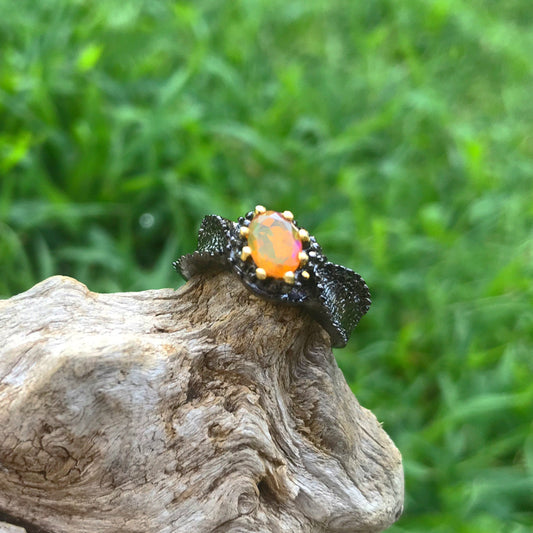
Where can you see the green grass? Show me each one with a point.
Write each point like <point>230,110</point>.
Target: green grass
<point>399,133</point>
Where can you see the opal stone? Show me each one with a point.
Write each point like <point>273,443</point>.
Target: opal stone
<point>275,244</point>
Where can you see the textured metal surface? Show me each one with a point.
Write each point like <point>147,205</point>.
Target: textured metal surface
<point>335,296</point>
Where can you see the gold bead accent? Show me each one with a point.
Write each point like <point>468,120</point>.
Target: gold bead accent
<point>288,277</point>
<point>260,273</point>
<point>246,253</point>
<point>244,231</point>
<point>259,209</point>
<point>306,274</point>
<point>287,215</point>
<point>303,257</point>
<point>304,236</point>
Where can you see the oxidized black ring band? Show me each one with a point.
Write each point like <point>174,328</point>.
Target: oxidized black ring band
<point>279,261</point>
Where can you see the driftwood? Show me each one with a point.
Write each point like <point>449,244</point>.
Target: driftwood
<point>200,410</point>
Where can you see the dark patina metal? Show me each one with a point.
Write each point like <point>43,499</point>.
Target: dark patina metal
<point>335,296</point>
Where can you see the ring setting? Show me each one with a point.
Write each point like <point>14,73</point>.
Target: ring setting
<point>275,245</point>
<point>280,261</point>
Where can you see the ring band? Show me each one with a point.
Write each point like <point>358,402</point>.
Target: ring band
<point>279,261</point>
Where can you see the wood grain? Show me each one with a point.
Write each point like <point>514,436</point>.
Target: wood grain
<point>200,410</point>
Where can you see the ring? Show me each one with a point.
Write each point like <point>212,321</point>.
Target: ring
<point>279,261</point>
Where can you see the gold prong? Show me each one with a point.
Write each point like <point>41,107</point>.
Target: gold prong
<point>288,277</point>
<point>304,236</point>
<point>244,231</point>
<point>287,215</point>
<point>303,257</point>
<point>305,274</point>
<point>246,253</point>
<point>260,273</point>
<point>259,209</point>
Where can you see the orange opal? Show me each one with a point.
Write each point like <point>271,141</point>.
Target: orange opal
<point>275,244</point>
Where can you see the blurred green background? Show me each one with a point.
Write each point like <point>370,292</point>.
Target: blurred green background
<point>399,133</point>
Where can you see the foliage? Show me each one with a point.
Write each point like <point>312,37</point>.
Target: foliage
<point>398,132</point>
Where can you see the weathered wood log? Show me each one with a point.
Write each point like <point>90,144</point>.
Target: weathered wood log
<point>200,410</point>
